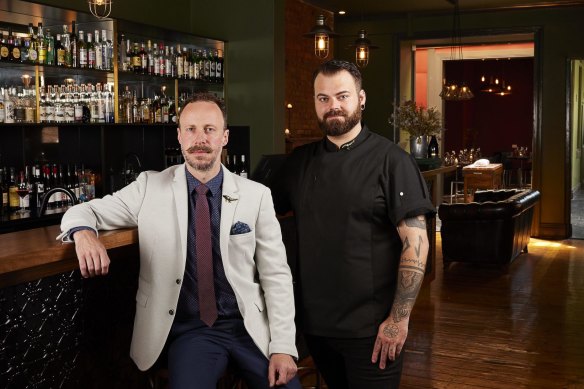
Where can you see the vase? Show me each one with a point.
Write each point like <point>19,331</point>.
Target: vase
<point>419,146</point>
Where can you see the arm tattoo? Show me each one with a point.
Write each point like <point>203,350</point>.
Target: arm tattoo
<point>406,244</point>
<point>419,246</point>
<point>409,284</point>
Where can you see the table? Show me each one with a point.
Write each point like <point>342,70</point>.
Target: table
<point>522,159</point>
<point>481,177</point>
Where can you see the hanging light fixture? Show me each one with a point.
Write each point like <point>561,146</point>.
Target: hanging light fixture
<point>321,33</point>
<point>362,48</point>
<point>101,9</point>
<point>452,90</point>
<point>496,85</point>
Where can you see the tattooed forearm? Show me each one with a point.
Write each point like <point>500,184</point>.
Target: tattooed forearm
<point>418,222</point>
<point>409,283</point>
<point>419,246</point>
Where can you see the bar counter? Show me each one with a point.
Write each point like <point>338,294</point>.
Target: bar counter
<point>33,254</point>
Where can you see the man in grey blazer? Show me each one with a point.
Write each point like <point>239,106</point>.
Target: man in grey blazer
<point>252,324</point>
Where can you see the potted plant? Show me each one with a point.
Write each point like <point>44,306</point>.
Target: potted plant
<point>421,123</point>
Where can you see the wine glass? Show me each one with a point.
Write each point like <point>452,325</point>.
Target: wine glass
<point>22,191</point>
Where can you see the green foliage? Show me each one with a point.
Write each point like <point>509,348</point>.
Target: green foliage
<point>416,120</point>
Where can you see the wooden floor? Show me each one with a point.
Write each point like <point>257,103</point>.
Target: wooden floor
<point>488,327</point>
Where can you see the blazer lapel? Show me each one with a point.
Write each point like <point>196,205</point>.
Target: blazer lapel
<point>228,207</point>
<point>179,188</point>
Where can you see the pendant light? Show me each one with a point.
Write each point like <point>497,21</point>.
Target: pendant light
<point>101,9</point>
<point>321,33</point>
<point>452,90</point>
<point>363,47</point>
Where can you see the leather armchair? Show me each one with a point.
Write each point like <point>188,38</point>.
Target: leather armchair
<point>495,228</point>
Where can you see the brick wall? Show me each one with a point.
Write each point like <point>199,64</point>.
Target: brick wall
<point>300,63</point>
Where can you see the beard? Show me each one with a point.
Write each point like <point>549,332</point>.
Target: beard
<point>339,126</point>
<point>200,162</point>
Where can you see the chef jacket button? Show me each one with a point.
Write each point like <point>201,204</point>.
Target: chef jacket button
<point>171,312</point>
<point>178,281</point>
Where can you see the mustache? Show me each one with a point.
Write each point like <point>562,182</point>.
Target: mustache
<point>194,149</point>
<point>335,112</point>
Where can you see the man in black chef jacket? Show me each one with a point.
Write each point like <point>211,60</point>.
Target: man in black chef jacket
<point>360,205</point>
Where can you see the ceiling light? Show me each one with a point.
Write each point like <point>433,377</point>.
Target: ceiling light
<point>321,33</point>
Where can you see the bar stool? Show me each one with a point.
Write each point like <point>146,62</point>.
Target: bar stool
<point>456,189</point>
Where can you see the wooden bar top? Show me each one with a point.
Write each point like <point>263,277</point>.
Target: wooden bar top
<point>23,253</point>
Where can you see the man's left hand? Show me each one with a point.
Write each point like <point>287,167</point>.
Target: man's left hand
<point>390,341</point>
<point>281,370</point>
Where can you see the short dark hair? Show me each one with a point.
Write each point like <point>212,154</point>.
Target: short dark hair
<point>334,66</point>
<point>208,97</point>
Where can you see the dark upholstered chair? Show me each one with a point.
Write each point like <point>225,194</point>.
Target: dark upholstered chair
<point>495,228</point>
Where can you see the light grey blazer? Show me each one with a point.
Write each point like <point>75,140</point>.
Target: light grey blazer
<point>157,203</point>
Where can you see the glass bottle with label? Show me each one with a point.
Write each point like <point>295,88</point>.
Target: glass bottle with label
<point>41,44</point>
<point>33,54</point>
<point>97,48</point>
<point>4,50</point>
<point>82,49</point>
<point>60,51</point>
<point>50,44</point>
<point>90,51</point>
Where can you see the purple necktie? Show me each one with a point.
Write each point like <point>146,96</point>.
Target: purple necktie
<point>205,279</point>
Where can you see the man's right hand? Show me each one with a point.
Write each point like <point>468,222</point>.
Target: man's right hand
<point>91,253</point>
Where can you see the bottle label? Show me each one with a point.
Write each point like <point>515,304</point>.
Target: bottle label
<point>5,198</point>
<point>60,57</point>
<point>136,62</point>
<point>69,114</point>
<point>82,57</point>
<point>16,53</point>
<point>78,112</point>
<point>4,52</point>
<point>50,111</point>
<point>32,55</point>
<point>8,112</point>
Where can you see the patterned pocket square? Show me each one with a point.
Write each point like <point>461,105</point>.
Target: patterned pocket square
<point>239,228</point>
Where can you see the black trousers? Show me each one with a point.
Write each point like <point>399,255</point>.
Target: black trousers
<point>346,363</point>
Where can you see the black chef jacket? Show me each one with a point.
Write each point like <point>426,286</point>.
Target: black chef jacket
<point>348,203</point>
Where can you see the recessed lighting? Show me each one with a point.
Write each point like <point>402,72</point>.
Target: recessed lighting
<point>341,12</point>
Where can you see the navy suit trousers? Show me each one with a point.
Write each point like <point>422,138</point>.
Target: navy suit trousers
<point>198,355</point>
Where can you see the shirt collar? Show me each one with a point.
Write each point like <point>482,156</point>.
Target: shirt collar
<point>331,147</point>
<point>214,184</point>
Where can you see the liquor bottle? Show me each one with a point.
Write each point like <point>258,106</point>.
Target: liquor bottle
<point>150,55</point>
<point>4,205</point>
<point>242,167</point>
<point>39,186</point>
<point>8,106</point>
<point>192,64</point>
<point>73,47</point>
<point>50,44</point>
<point>433,148</point>
<point>213,65</point>
<point>136,59</point>
<point>19,110</point>
<point>143,59</point>
<point>123,51</point>
<point>82,50</point>
<point>13,197</point>
<point>97,47</point>
<point>180,63</point>
<point>206,66</point>
<point>59,104</point>
<point>14,47</point>
<point>90,51</point>
<point>66,44</point>
<point>106,51</point>
<point>4,50</point>
<point>60,51</point>
<point>91,55</point>
<point>26,200</point>
<point>156,60</point>
<point>42,45</point>
<point>167,62</point>
<point>219,67</point>
<point>77,105</point>
<point>50,104</point>
<point>128,63</point>
<point>69,108</point>
<point>108,104</point>
<point>33,53</point>
<point>161,60</point>
<point>24,48</point>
